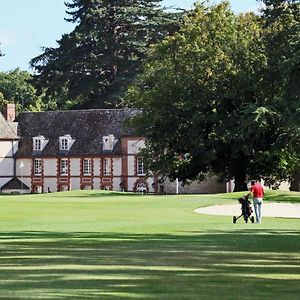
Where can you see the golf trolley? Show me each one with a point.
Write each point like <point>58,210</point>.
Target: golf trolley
<point>246,210</point>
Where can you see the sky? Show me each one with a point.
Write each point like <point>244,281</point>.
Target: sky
<point>28,25</point>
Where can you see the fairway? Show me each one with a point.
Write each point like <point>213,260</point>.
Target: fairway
<point>106,245</point>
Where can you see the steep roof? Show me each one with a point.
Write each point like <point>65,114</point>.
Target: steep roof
<point>6,131</point>
<point>86,127</point>
<point>15,184</point>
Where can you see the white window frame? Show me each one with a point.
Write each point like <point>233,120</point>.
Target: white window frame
<point>107,167</point>
<point>140,166</point>
<point>64,143</point>
<point>64,167</point>
<point>37,167</point>
<point>37,144</point>
<point>87,167</point>
<point>108,142</point>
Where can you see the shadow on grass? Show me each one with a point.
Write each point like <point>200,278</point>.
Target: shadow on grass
<point>99,194</point>
<point>81,194</point>
<point>194,265</point>
<point>293,197</point>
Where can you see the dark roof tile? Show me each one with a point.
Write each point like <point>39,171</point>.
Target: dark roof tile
<point>87,127</point>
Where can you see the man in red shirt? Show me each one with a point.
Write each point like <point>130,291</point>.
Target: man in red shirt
<point>257,192</point>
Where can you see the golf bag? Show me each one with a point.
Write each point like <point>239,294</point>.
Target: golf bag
<point>246,210</point>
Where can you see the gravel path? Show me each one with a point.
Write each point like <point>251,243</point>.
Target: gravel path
<point>280,210</point>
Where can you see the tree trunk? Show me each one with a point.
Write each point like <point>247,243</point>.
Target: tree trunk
<point>295,181</point>
<point>240,182</point>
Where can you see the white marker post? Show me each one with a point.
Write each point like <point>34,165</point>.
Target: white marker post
<point>21,167</point>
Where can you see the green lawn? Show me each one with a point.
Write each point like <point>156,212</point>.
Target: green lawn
<point>101,245</point>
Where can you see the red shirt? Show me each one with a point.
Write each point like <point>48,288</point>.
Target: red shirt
<point>257,190</point>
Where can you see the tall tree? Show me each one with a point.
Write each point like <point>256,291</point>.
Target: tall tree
<point>198,92</point>
<point>224,92</point>
<point>94,64</point>
<point>282,80</point>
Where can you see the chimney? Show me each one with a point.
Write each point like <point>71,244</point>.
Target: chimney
<point>10,112</point>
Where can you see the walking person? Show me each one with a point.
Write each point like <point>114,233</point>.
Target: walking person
<point>257,192</point>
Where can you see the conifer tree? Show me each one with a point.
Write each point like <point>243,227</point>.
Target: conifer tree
<point>93,65</point>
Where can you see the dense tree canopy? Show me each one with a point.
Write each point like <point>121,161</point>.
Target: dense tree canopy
<point>282,80</point>
<point>15,87</point>
<point>220,95</point>
<point>203,94</point>
<point>94,64</point>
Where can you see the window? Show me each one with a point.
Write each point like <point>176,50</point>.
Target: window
<point>87,187</point>
<point>141,187</point>
<point>37,167</point>
<point>64,188</point>
<point>87,167</point>
<point>37,189</point>
<point>64,144</point>
<point>107,167</point>
<point>108,142</point>
<point>64,167</point>
<point>37,145</point>
<point>140,167</point>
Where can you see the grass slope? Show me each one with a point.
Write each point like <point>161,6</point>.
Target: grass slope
<point>101,245</point>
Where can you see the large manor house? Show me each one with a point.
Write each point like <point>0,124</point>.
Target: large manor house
<point>54,151</point>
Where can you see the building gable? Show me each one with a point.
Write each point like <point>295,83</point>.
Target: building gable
<point>7,130</point>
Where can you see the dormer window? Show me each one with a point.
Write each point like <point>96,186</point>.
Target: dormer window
<point>108,142</point>
<point>39,143</point>
<point>65,142</point>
